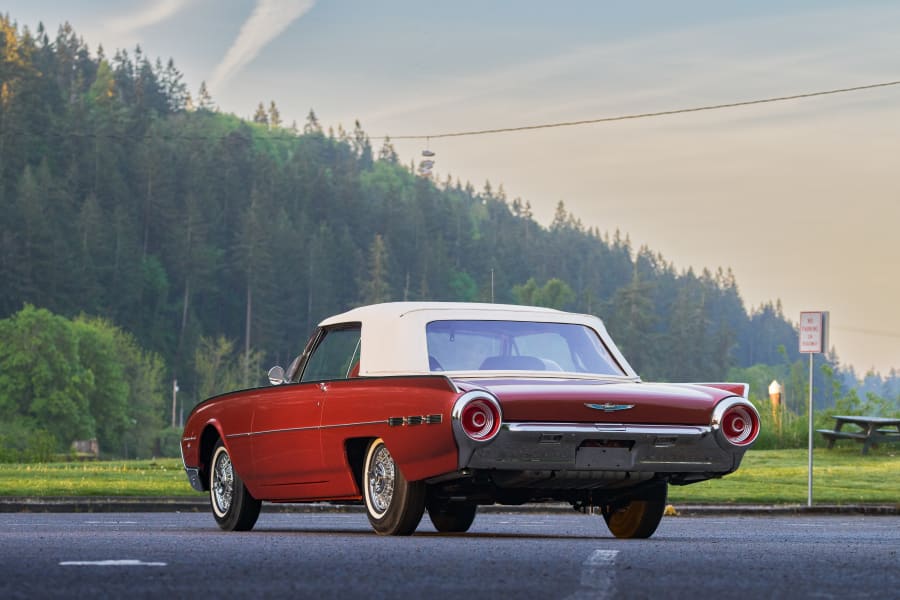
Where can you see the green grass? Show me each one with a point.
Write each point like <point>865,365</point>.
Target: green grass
<point>161,477</point>
<point>841,476</point>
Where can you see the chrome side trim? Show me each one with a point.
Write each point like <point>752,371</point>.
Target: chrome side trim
<point>309,428</point>
<point>616,428</point>
<point>435,419</point>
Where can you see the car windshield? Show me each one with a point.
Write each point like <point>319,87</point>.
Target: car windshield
<point>517,346</point>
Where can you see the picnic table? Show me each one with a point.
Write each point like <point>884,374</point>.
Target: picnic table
<point>871,430</point>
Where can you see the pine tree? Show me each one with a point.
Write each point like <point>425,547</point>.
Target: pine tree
<point>633,323</point>
<point>261,116</point>
<point>388,153</point>
<point>204,99</point>
<point>174,88</point>
<point>274,116</point>
<point>361,145</point>
<point>375,287</point>
<point>312,125</point>
<point>253,257</point>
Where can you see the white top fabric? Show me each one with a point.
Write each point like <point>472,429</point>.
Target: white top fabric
<point>394,340</point>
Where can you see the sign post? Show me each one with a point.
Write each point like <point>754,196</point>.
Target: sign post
<point>813,340</point>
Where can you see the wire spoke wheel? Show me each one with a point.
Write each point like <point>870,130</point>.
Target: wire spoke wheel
<point>232,505</point>
<point>222,483</point>
<point>393,504</point>
<point>381,478</point>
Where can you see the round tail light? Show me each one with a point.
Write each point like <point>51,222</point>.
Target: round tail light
<point>480,420</point>
<point>478,416</point>
<point>739,423</point>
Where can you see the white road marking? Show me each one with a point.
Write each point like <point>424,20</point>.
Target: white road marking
<point>110,563</point>
<point>597,576</point>
<point>110,522</point>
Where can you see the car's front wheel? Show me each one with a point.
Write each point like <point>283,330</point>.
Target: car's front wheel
<point>232,505</point>
<point>640,517</point>
<point>393,504</point>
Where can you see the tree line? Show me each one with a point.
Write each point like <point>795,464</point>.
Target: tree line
<point>124,196</point>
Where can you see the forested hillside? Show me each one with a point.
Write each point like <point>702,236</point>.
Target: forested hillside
<point>123,197</point>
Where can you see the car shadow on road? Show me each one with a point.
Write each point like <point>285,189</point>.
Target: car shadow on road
<point>494,535</point>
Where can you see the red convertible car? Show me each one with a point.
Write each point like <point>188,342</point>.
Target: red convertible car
<point>408,407</point>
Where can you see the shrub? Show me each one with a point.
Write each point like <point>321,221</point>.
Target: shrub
<point>170,442</point>
<point>22,442</point>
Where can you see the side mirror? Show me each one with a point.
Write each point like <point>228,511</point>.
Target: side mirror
<point>276,375</point>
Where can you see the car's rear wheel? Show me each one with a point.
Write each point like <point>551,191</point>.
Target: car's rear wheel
<point>451,517</point>
<point>393,504</point>
<point>640,517</point>
<point>232,505</point>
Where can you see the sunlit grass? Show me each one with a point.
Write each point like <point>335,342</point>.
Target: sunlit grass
<point>161,477</point>
<point>841,476</point>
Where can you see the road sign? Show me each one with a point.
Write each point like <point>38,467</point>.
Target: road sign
<point>813,340</point>
<point>813,332</point>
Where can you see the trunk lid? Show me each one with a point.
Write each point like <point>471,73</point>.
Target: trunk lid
<point>601,401</point>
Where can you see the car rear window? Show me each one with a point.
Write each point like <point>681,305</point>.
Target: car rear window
<point>467,345</point>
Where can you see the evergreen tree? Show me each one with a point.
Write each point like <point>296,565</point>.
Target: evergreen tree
<point>388,153</point>
<point>274,116</point>
<point>633,324</point>
<point>312,126</point>
<point>253,256</point>
<point>261,116</point>
<point>374,286</point>
<point>204,99</point>
<point>361,146</point>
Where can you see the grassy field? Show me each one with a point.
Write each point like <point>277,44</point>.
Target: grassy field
<point>161,477</point>
<point>841,476</point>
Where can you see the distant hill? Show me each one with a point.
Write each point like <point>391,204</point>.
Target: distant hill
<point>124,197</point>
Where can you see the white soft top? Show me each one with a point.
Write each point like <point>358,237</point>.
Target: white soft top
<point>394,342</point>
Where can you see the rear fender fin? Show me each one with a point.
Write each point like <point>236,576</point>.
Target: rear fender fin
<point>738,389</point>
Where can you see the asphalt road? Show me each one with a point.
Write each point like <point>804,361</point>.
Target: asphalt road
<point>336,555</point>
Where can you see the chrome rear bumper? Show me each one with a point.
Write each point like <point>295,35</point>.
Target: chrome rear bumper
<point>604,447</point>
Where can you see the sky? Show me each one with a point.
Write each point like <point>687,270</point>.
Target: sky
<point>800,199</point>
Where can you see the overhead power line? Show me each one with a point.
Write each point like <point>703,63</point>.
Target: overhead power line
<point>647,115</point>
<point>286,135</point>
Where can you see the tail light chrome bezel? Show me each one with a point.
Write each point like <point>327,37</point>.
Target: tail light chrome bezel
<point>736,423</point>
<point>477,409</point>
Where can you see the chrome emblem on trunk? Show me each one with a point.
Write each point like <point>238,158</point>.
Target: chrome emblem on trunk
<point>609,406</point>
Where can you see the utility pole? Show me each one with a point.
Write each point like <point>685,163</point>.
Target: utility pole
<point>174,400</point>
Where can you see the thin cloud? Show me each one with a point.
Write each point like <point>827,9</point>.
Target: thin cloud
<point>269,20</point>
<point>647,72</point>
<point>156,12</point>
